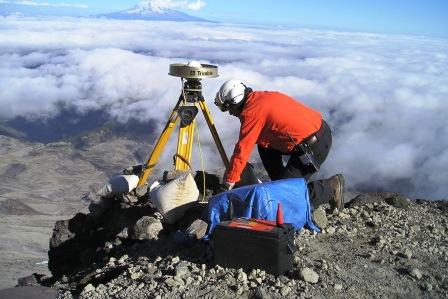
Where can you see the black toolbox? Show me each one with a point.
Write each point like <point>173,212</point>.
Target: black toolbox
<point>254,244</point>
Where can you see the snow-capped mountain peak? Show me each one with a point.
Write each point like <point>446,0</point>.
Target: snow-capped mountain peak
<point>153,10</point>
<point>146,8</point>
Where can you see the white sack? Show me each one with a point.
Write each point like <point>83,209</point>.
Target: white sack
<point>174,198</point>
<point>119,184</point>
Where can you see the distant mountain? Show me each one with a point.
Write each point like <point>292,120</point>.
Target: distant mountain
<point>9,131</point>
<point>69,124</point>
<point>146,10</point>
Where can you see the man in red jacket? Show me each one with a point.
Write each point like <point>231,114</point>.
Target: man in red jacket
<point>280,126</point>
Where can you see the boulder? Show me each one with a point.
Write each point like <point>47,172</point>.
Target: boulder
<point>399,201</point>
<point>147,228</point>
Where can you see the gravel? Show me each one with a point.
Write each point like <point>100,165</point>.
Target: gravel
<point>369,250</point>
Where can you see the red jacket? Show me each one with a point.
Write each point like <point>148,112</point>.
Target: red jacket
<point>269,119</point>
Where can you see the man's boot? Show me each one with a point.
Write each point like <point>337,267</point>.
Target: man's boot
<point>337,184</point>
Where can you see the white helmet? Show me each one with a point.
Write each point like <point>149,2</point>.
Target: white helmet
<point>231,92</point>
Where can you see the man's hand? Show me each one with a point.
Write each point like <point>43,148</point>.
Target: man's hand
<point>226,186</point>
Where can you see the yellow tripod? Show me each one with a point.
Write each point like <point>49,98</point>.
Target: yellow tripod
<point>186,109</point>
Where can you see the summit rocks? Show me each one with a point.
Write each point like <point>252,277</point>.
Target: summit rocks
<point>373,248</point>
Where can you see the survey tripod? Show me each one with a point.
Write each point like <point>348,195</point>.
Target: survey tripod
<point>184,113</point>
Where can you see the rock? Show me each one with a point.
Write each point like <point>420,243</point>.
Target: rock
<point>158,274</point>
<point>182,269</point>
<point>309,275</point>
<point>127,198</point>
<point>338,287</point>
<point>398,201</point>
<point>141,190</point>
<point>406,254</point>
<point>123,259</point>
<point>61,233</point>
<point>363,199</point>
<point>242,277</point>
<point>370,256</point>
<point>330,230</point>
<point>170,281</point>
<point>147,228</point>
<point>378,241</point>
<point>179,281</point>
<point>66,251</point>
<point>259,293</point>
<point>189,280</point>
<point>108,245</point>
<point>135,276</point>
<point>343,215</point>
<point>197,229</point>
<point>98,205</point>
<point>28,281</point>
<point>240,290</point>
<point>124,234</point>
<point>89,288</point>
<point>320,218</point>
<point>283,279</point>
<point>285,291</point>
<point>415,272</point>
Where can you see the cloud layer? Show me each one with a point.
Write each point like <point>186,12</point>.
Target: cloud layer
<point>384,96</point>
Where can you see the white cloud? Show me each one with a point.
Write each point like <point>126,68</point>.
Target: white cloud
<point>383,95</point>
<point>161,4</point>
<point>45,4</point>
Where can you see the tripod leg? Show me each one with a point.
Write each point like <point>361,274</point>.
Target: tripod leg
<point>161,142</point>
<point>184,147</point>
<point>212,128</point>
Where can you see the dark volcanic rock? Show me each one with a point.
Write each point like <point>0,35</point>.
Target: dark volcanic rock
<point>398,201</point>
<point>363,199</point>
<point>28,281</point>
<point>98,205</point>
<point>78,242</point>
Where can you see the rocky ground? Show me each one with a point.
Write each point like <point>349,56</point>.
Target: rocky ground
<point>43,183</point>
<point>382,245</point>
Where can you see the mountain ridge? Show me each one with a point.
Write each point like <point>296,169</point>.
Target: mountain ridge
<point>145,10</point>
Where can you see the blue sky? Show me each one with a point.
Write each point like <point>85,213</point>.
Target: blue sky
<point>425,17</point>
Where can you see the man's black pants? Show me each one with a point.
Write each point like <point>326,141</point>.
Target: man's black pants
<point>319,190</point>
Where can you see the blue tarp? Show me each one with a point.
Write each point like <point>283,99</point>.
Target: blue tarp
<point>261,201</point>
